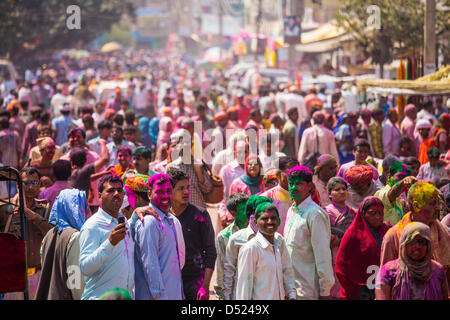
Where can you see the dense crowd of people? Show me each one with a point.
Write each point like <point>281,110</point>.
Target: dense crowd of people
<point>316,195</point>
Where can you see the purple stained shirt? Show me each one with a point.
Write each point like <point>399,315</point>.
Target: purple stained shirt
<point>52,192</point>
<point>432,289</point>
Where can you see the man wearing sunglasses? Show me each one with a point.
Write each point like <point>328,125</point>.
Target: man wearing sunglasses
<point>37,226</point>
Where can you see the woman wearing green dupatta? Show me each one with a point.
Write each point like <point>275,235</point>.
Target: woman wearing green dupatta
<point>251,182</point>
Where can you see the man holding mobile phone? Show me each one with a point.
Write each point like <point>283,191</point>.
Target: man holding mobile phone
<point>109,265</point>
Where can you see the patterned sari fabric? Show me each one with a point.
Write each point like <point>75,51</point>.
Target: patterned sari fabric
<point>340,221</point>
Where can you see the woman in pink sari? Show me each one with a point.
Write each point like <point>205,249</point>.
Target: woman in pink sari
<point>341,217</point>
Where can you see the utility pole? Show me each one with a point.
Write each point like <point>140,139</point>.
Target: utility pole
<point>430,37</point>
<point>258,27</point>
<point>296,8</point>
<point>220,28</point>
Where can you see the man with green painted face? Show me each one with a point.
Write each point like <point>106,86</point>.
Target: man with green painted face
<point>265,269</point>
<point>308,236</point>
<point>236,206</point>
<point>236,241</point>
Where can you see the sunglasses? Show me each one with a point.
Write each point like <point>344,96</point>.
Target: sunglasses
<point>34,183</point>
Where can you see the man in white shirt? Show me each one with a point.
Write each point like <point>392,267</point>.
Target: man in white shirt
<point>57,100</point>
<point>350,99</point>
<point>391,134</point>
<point>317,139</point>
<point>236,241</point>
<point>106,247</point>
<point>264,270</point>
<point>427,112</point>
<point>226,156</point>
<point>235,169</point>
<point>141,100</point>
<point>294,99</point>
<point>308,234</point>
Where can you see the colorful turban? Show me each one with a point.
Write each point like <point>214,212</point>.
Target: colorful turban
<point>323,161</point>
<point>359,174</point>
<point>135,183</point>
<point>109,112</point>
<point>14,103</point>
<point>318,115</point>
<point>423,124</point>
<point>44,142</point>
<point>167,112</point>
<point>410,107</point>
<point>232,109</point>
<point>221,116</point>
<point>366,112</point>
<point>274,116</point>
<point>271,175</point>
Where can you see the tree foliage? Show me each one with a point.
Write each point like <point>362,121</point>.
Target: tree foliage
<point>30,27</point>
<point>402,27</point>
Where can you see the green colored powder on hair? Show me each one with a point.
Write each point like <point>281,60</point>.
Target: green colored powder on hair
<point>264,207</point>
<point>253,202</point>
<point>116,294</point>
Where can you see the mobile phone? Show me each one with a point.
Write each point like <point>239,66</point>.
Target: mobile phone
<point>121,220</point>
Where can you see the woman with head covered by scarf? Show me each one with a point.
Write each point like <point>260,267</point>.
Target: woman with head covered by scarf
<point>153,130</point>
<point>414,275</point>
<point>423,201</point>
<point>360,182</point>
<point>341,217</point>
<point>251,182</point>
<point>60,248</point>
<point>165,130</point>
<point>360,250</point>
<point>144,129</point>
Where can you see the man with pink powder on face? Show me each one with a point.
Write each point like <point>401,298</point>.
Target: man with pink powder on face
<point>157,264</point>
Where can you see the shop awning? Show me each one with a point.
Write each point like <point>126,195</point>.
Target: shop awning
<point>324,45</point>
<point>324,32</point>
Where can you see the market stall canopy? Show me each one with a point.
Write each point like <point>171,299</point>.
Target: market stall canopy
<point>111,46</point>
<point>325,38</point>
<point>324,32</point>
<point>435,83</point>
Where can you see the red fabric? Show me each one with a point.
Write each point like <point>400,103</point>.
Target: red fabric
<point>359,174</point>
<point>358,250</point>
<point>424,147</point>
<point>12,263</point>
